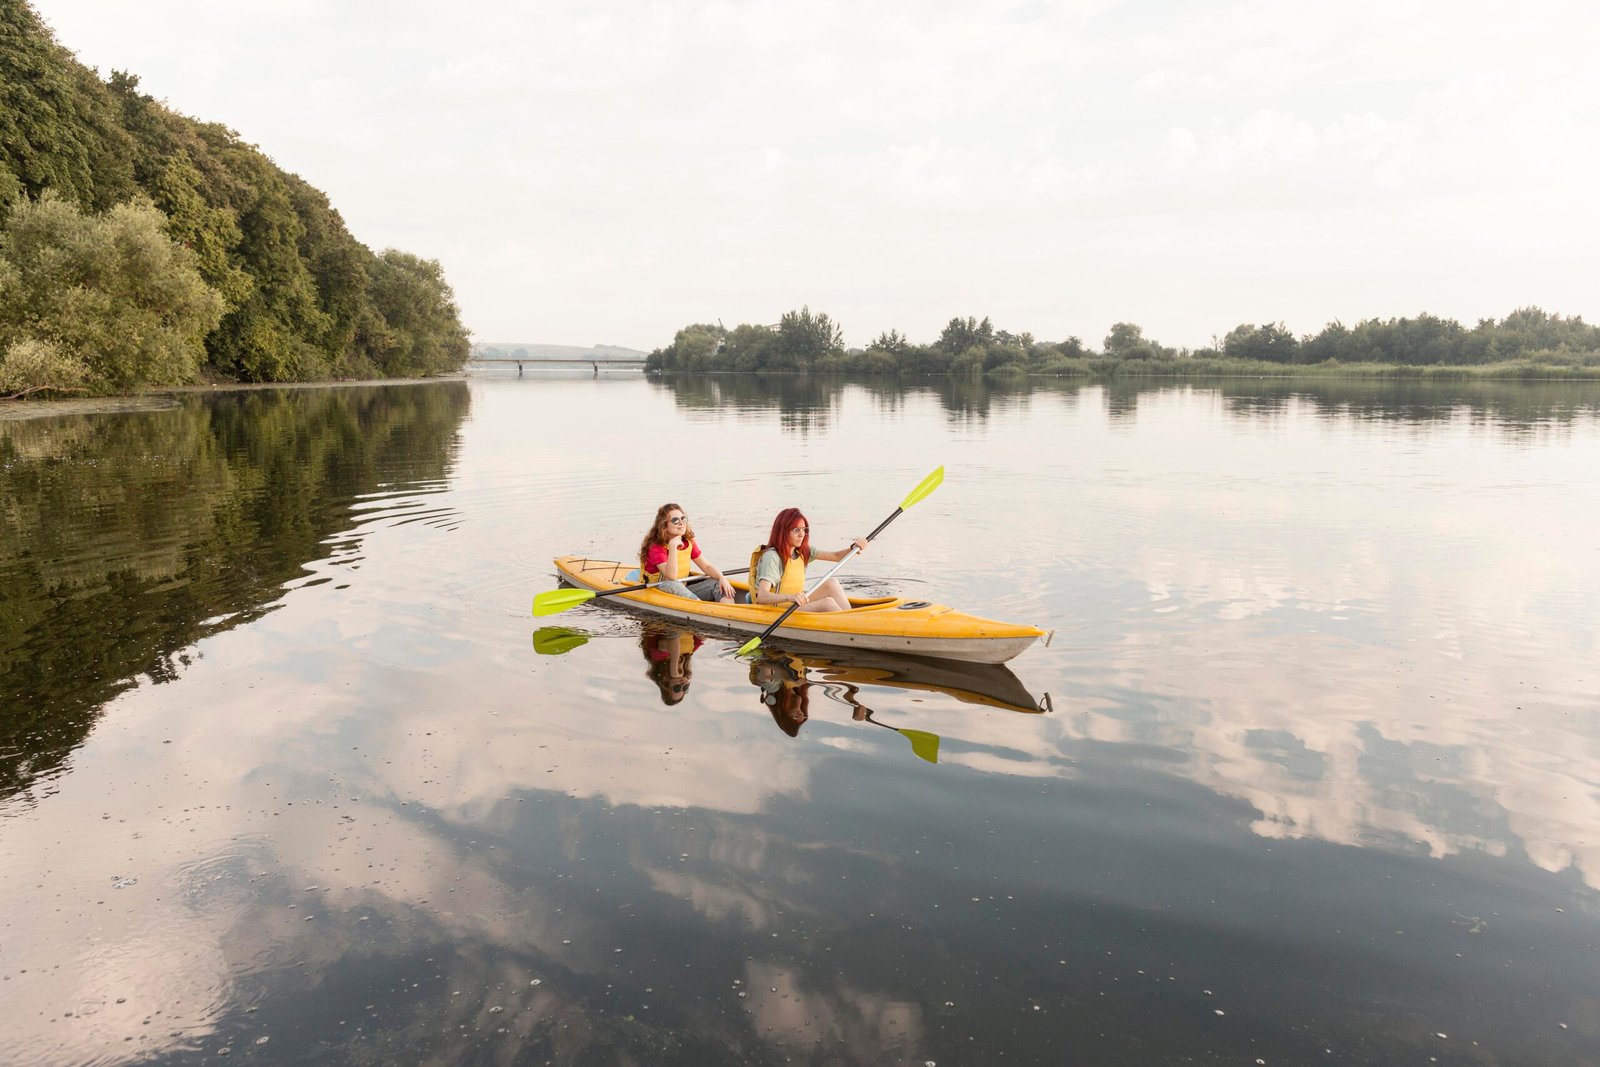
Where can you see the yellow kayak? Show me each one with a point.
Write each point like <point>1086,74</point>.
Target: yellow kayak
<point>880,624</point>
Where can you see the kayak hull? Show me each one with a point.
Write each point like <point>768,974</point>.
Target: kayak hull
<point>878,624</point>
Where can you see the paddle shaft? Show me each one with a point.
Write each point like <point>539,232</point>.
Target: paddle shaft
<point>658,581</point>
<point>556,600</point>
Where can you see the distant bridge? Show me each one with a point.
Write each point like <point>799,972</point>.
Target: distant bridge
<point>542,361</point>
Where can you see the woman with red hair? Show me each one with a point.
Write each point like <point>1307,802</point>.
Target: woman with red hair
<point>779,570</point>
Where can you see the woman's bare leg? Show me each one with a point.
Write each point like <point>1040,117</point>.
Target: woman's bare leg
<point>834,592</point>
<point>819,603</point>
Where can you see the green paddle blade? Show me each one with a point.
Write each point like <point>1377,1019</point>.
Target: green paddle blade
<point>555,640</point>
<point>924,744</point>
<point>928,485</point>
<point>554,600</point>
<point>749,646</point>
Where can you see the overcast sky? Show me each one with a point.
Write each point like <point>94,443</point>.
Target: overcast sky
<point>603,172</point>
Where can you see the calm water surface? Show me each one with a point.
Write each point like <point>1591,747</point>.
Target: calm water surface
<point>1307,775</point>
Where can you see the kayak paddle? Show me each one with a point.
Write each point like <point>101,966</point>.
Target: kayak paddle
<point>554,600</point>
<point>926,486</point>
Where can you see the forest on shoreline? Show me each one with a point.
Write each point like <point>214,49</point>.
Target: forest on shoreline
<point>1527,343</point>
<point>142,248</point>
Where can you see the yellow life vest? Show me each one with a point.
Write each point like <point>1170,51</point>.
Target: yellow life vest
<point>793,579</point>
<point>683,567</point>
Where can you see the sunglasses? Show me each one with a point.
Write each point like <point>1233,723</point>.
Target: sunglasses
<point>800,529</point>
<point>679,521</point>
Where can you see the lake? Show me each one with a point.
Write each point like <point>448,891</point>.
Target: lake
<point>1309,771</point>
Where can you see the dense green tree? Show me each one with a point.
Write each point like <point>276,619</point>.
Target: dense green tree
<point>960,335</point>
<point>695,347</point>
<point>886,354</point>
<point>10,185</point>
<point>805,339</point>
<point>1533,337</point>
<point>1331,344</point>
<point>748,348</point>
<point>272,333</point>
<point>1268,343</point>
<point>1008,350</point>
<point>59,128</point>
<point>1127,341</point>
<point>175,167</point>
<point>970,362</point>
<point>300,295</point>
<point>1531,329</point>
<point>1072,348</point>
<point>341,269</point>
<point>891,342</point>
<point>98,303</point>
<point>422,328</point>
<point>926,359</point>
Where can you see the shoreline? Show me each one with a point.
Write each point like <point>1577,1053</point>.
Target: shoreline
<point>166,399</point>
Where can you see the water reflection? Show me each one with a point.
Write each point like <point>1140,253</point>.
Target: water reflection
<point>1511,407</point>
<point>784,682</point>
<point>781,681</point>
<point>811,402</point>
<point>667,654</point>
<point>557,640</point>
<point>806,404</point>
<point>1319,756</point>
<point>126,540</point>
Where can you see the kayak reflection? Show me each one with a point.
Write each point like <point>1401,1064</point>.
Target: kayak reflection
<point>988,684</point>
<point>785,680</point>
<point>667,652</point>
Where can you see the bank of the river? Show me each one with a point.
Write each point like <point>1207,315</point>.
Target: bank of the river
<point>165,399</point>
<point>1089,370</point>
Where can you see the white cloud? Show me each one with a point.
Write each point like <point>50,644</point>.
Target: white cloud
<point>611,171</point>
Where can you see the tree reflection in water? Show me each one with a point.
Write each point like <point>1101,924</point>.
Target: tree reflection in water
<point>127,539</point>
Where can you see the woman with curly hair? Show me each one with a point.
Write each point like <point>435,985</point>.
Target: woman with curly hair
<point>668,552</point>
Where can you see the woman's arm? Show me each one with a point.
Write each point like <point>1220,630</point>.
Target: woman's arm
<point>765,595</point>
<point>709,568</point>
<point>860,545</point>
<point>668,568</point>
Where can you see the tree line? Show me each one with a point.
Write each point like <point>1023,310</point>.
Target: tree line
<point>1528,339</point>
<point>140,247</point>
